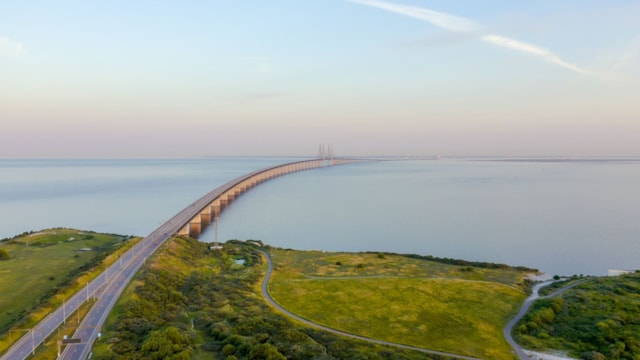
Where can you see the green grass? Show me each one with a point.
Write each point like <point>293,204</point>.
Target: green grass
<point>394,298</point>
<point>599,315</point>
<point>46,267</point>
<point>217,305</point>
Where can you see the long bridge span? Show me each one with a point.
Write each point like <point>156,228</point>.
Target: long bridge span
<point>104,290</point>
<point>211,205</point>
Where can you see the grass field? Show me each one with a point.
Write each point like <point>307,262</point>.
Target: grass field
<point>394,298</point>
<point>46,267</point>
<point>186,291</point>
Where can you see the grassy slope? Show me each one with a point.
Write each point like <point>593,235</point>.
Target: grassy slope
<point>217,304</point>
<point>395,298</point>
<point>39,273</point>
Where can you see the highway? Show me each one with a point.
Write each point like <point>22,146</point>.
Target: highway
<point>107,287</point>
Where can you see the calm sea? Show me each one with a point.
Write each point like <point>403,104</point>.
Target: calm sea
<point>563,217</point>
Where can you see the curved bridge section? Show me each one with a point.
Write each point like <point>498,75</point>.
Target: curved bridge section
<point>205,210</point>
<point>105,289</point>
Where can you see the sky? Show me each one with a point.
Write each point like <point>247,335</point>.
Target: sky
<point>89,78</point>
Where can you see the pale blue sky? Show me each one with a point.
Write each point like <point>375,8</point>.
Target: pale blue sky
<point>432,77</point>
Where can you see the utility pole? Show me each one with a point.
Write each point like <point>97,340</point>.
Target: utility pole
<point>216,228</point>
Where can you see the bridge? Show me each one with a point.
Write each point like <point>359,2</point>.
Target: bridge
<point>104,290</point>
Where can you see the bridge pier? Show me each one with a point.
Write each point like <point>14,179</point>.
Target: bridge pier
<point>215,208</point>
<point>184,231</point>
<point>195,228</point>
<point>205,220</point>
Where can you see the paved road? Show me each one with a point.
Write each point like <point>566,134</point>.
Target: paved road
<point>107,287</point>
<point>26,345</point>
<point>265,293</point>
<point>525,307</point>
<point>92,322</point>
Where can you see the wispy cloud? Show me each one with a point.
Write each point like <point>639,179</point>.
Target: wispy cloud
<point>9,47</point>
<point>461,24</point>
<point>446,21</point>
<point>533,50</point>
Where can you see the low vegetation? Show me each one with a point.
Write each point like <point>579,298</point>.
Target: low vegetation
<point>43,268</point>
<point>451,306</point>
<point>192,302</point>
<point>597,319</point>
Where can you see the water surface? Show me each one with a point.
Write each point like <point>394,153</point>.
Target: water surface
<point>563,217</point>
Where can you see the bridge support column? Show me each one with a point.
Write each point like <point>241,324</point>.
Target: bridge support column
<point>205,218</point>
<point>215,208</point>
<point>184,231</point>
<point>195,228</point>
<point>223,202</point>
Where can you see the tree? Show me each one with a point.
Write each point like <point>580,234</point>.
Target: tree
<point>266,352</point>
<point>228,349</point>
<point>162,344</point>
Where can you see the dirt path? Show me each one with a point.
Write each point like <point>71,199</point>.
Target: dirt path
<point>525,307</point>
<point>267,296</point>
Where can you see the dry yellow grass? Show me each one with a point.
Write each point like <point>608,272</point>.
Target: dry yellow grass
<point>398,299</point>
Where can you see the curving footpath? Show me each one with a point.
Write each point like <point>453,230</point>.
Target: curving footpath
<point>525,307</point>
<point>267,296</point>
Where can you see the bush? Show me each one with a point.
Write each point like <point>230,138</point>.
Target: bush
<point>266,351</point>
<point>4,254</point>
<point>593,355</point>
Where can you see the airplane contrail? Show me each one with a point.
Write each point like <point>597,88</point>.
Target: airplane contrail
<point>461,24</point>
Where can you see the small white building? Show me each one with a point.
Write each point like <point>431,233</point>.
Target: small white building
<point>215,246</point>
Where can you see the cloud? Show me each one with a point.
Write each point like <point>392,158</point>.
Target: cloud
<point>9,47</point>
<point>461,24</point>
<point>445,21</point>
<point>533,50</point>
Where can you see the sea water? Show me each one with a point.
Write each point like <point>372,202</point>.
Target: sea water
<point>562,217</point>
